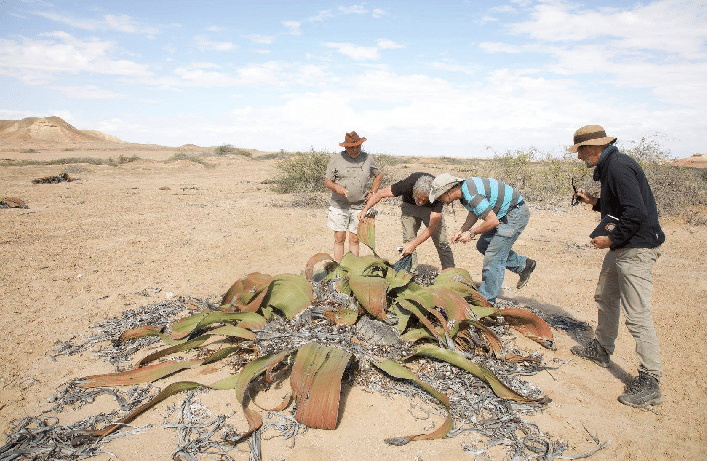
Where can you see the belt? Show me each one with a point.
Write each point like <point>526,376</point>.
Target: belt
<point>518,204</point>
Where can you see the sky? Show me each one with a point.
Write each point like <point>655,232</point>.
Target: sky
<point>453,78</point>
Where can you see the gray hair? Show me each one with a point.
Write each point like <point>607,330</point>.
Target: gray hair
<point>423,185</point>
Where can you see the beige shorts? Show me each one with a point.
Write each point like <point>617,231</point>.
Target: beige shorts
<point>343,219</point>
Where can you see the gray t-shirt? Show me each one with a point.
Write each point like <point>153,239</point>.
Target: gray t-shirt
<point>353,174</point>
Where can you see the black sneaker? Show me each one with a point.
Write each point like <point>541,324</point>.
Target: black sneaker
<point>594,352</point>
<point>642,392</point>
<point>526,273</point>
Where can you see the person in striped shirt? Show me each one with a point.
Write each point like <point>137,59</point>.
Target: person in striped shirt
<point>502,215</point>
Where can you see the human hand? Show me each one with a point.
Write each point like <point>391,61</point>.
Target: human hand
<point>408,247</point>
<point>463,237</point>
<point>342,191</point>
<point>601,242</point>
<point>586,197</point>
<point>361,215</point>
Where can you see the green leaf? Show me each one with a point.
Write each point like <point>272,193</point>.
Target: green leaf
<point>480,372</point>
<point>367,265</point>
<point>396,370</point>
<point>170,390</point>
<point>413,308</point>
<point>290,293</point>
<point>190,345</point>
<point>460,281</point>
<point>371,294</point>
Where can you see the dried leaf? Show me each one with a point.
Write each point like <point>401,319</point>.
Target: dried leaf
<point>315,259</point>
<point>367,232</point>
<point>529,325</point>
<point>341,315</point>
<point>246,288</point>
<point>139,375</point>
<point>140,332</point>
<point>316,380</point>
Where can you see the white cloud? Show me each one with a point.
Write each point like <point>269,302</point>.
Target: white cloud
<point>503,9</point>
<point>35,61</point>
<point>668,25</point>
<point>124,23</point>
<point>121,23</point>
<point>469,70</point>
<point>260,39</point>
<point>354,9</point>
<point>204,44</point>
<point>356,52</point>
<point>321,16</point>
<point>378,13</point>
<point>498,47</point>
<point>386,44</point>
<point>88,92</point>
<point>293,27</point>
<point>85,24</point>
<point>214,29</point>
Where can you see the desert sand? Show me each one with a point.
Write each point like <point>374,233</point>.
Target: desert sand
<point>121,237</point>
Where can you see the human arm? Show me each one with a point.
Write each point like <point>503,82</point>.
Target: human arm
<point>337,188</point>
<point>489,222</point>
<point>377,183</point>
<point>433,224</point>
<point>374,199</point>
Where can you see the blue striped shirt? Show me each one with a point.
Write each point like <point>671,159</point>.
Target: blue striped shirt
<point>481,195</point>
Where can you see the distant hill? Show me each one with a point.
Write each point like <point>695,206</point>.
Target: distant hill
<point>49,130</point>
<point>696,160</point>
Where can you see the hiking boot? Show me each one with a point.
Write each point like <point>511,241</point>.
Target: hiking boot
<point>594,352</point>
<point>642,392</point>
<point>526,273</point>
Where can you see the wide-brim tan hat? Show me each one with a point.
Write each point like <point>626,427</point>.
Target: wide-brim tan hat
<point>351,140</point>
<point>590,135</point>
<point>442,184</point>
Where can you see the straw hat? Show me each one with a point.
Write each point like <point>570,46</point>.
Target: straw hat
<point>442,184</point>
<point>352,139</point>
<point>590,135</point>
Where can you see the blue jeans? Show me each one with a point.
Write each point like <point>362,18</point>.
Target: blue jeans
<point>496,245</point>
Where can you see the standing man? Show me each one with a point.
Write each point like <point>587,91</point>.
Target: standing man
<point>416,209</point>
<point>625,277</point>
<point>347,175</point>
<point>504,216</point>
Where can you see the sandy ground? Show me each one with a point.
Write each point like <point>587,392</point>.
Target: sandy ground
<point>89,250</point>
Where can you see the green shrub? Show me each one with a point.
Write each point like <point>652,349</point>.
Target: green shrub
<point>181,155</point>
<point>546,180</point>
<point>303,172</point>
<point>229,150</point>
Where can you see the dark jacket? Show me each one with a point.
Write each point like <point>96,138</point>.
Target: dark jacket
<point>625,194</point>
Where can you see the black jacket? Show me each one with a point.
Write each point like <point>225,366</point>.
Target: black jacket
<point>625,194</point>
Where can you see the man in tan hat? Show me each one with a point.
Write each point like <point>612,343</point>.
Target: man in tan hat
<point>347,175</point>
<point>504,216</point>
<point>634,246</point>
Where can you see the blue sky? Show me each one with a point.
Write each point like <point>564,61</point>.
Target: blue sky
<point>447,78</point>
